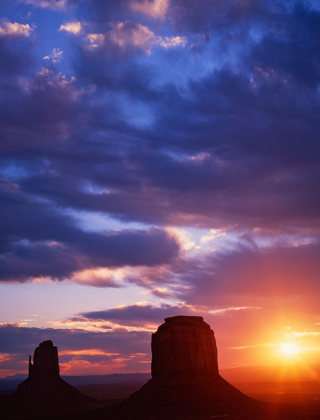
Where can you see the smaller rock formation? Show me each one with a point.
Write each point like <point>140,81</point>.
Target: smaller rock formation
<point>44,389</point>
<point>46,361</point>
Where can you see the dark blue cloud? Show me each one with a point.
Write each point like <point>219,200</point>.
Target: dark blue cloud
<point>292,47</point>
<point>17,57</point>
<point>234,143</point>
<point>136,315</point>
<point>205,16</point>
<point>39,241</point>
<point>23,340</point>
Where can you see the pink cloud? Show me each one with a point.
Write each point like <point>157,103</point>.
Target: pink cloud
<point>125,34</point>
<point>74,28</point>
<point>56,55</point>
<point>154,8</point>
<point>128,35</point>
<point>172,42</point>
<point>15,29</point>
<point>58,5</point>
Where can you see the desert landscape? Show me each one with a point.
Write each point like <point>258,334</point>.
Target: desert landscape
<point>185,383</point>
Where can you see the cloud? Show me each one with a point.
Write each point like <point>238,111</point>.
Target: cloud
<point>95,40</point>
<point>241,275</point>
<point>217,115</point>
<point>51,245</point>
<point>16,49</point>
<point>101,277</point>
<point>153,8</point>
<point>172,42</point>
<point>57,5</point>
<point>194,160</point>
<point>42,260</point>
<point>74,28</point>
<point>145,316</point>
<point>102,11</point>
<point>56,55</point>
<point>294,52</point>
<point>52,100</point>
<point>202,16</point>
<point>141,315</point>
<point>247,273</point>
<point>192,119</point>
<point>214,234</point>
<point>15,29</point>
<point>128,36</point>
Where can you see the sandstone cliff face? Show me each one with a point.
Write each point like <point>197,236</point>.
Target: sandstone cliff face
<point>46,360</point>
<point>185,380</point>
<point>44,388</point>
<point>184,346</point>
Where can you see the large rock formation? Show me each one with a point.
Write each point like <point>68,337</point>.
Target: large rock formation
<point>185,380</point>
<point>184,346</point>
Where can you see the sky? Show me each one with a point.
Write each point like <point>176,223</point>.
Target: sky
<point>159,158</point>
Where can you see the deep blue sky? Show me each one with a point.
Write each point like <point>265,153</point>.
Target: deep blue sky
<point>158,157</point>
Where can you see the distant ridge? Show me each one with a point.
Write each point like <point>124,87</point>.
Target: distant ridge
<point>116,378</point>
<point>233,375</point>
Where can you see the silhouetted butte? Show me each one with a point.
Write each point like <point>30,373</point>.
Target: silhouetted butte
<point>185,378</point>
<point>44,387</point>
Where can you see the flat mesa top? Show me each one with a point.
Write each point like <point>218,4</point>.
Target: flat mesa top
<point>184,318</point>
<point>47,343</point>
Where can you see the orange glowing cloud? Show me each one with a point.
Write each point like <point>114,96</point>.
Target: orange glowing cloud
<point>4,357</point>
<point>87,352</point>
<point>114,362</point>
<point>100,277</point>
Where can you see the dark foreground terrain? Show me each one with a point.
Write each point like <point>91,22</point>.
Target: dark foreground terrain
<point>288,401</point>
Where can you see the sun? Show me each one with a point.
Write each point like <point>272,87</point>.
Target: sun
<point>289,349</point>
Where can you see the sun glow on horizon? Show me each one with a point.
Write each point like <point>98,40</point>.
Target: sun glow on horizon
<point>289,349</point>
